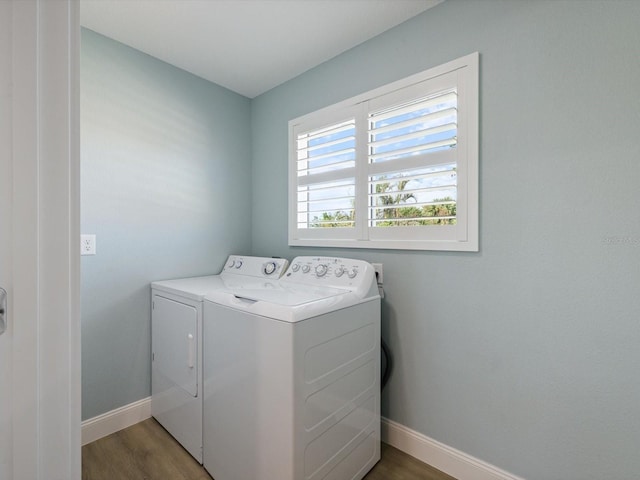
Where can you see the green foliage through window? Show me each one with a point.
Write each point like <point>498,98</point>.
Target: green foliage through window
<point>395,209</point>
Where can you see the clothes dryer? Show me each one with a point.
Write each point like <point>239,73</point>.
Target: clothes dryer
<point>177,349</point>
<point>292,375</point>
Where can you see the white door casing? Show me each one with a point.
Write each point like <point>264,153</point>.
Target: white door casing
<point>5,233</point>
<point>39,239</point>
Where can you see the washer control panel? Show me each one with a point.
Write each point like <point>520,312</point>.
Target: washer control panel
<point>264,267</point>
<point>330,271</point>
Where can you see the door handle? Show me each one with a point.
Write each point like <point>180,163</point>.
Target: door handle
<point>3,310</point>
<point>190,351</point>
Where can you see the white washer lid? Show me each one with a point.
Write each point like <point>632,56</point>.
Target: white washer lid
<point>277,293</point>
<point>286,304</point>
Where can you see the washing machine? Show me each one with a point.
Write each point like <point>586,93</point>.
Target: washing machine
<point>292,375</point>
<point>176,343</point>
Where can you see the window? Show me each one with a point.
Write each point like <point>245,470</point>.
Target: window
<point>396,167</point>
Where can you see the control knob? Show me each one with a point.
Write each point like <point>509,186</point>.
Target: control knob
<point>295,267</point>
<point>238,263</point>
<point>321,270</point>
<point>340,271</point>
<point>269,268</point>
<point>352,273</point>
<point>306,268</point>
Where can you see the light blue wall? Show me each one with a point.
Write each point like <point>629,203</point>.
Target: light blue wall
<point>526,354</point>
<point>165,187</point>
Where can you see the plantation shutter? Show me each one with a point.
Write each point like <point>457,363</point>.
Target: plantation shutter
<point>412,158</point>
<point>396,167</point>
<point>325,175</point>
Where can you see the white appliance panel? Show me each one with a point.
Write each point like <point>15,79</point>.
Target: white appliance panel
<point>292,400</point>
<point>342,273</point>
<point>176,397</point>
<point>174,347</point>
<point>248,400</point>
<point>176,380</point>
<point>337,380</point>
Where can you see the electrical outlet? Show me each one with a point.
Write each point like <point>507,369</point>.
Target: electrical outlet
<point>87,244</point>
<point>377,267</point>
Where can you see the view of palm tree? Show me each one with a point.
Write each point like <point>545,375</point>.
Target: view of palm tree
<point>402,192</point>
<point>393,207</point>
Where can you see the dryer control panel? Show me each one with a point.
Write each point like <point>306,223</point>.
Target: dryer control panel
<point>261,267</point>
<point>345,273</point>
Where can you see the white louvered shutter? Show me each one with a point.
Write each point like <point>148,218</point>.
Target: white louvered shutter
<point>412,159</point>
<point>325,176</point>
<point>396,167</point>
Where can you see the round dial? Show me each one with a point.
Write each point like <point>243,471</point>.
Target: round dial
<point>269,267</point>
<point>305,268</point>
<point>340,271</point>
<point>238,263</point>
<point>321,270</point>
<point>295,267</point>
<point>353,272</point>
<point>231,264</point>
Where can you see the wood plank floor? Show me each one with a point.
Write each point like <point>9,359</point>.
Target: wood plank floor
<point>146,451</point>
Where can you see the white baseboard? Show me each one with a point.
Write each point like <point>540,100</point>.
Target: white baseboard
<point>447,459</point>
<point>115,420</point>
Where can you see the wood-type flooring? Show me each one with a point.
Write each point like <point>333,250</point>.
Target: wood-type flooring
<point>146,451</point>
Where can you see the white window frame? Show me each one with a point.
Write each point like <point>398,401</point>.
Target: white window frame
<point>463,73</point>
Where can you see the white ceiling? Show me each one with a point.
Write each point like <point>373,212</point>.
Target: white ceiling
<point>248,46</point>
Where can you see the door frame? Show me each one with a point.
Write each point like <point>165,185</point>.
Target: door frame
<point>45,291</point>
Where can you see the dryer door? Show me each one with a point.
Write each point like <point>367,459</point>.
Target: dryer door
<point>174,343</point>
